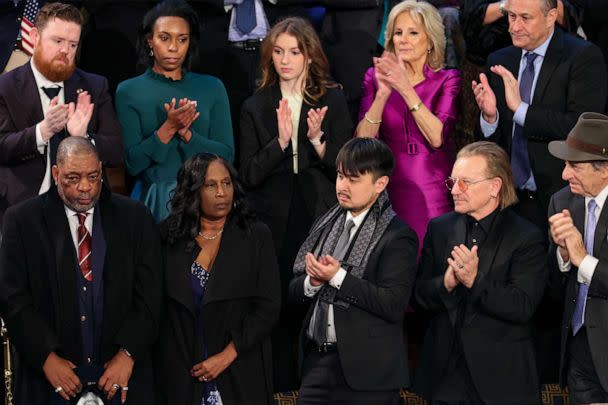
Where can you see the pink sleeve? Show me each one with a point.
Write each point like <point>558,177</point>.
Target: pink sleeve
<point>447,107</point>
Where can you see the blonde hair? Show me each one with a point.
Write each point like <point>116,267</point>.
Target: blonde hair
<point>422,13</point>
<point>497,165</point>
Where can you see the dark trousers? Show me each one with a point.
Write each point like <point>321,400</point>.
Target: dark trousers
<point>457,387</point>
<point>583,383</point>
<point>323,383</point>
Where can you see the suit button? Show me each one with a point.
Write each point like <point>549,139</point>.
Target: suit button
<point>83,318</point>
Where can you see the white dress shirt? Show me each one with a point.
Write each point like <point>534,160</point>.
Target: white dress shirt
<point>336,282</point>
<point>45,102</point>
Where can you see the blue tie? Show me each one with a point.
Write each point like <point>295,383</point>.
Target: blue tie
<point>581,299</point>
<point>520,161</point>
<point>245,16</point>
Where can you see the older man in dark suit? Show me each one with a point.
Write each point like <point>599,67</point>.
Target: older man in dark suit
<point>356,269</point>
<point>80,286</point>
<point>578,218</point>
<point>482,273</point>
<point>46,100</point>
<point>535,92</point>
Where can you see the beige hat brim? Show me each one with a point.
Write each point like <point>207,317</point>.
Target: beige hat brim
<point>562,151</point>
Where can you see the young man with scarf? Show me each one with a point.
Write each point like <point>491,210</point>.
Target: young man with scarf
<point>357,268</point>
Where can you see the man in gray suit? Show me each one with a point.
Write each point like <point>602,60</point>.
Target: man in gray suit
<point>578,221</point>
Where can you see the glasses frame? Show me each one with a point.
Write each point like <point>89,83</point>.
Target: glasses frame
<point>462,183</point>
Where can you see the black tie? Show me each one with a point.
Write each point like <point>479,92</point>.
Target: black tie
<point>51,92</point>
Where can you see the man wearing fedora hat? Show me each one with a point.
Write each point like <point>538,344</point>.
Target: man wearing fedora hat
<point>578,222</point>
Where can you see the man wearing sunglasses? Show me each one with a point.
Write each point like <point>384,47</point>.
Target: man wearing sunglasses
<point>481,276</point>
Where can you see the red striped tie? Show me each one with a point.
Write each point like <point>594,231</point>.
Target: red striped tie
<point>84,248</point>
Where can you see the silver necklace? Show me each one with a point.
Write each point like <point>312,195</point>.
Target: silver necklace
<point>211,237</point>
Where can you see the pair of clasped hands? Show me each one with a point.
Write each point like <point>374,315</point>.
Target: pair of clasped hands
<point>462,267</point>
<point>314,120</point>
<point>59,372</point>
<point>74,117</point>
<point>180,116</point>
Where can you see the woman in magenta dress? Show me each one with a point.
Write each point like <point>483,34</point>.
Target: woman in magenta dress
<point>410,102</point>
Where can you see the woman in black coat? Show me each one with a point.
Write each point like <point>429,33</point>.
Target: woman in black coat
<point>290,134</point>
<point>222,293</point>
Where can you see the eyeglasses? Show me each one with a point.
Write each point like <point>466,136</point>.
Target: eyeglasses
<point>463,184</point>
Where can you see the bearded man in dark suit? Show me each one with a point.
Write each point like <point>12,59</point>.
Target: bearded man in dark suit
<point>49,99</point>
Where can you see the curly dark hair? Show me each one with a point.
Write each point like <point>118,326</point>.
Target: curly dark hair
<point>168,8</point>
<point>184,218</point>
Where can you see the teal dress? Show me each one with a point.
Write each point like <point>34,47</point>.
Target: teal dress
<point>140,108</point>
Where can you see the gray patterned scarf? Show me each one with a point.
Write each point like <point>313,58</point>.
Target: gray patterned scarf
<point>326,230</point>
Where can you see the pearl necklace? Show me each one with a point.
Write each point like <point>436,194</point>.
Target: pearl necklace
<point>211,237</point>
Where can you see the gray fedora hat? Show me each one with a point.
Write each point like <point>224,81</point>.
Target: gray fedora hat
<point>587,141</point>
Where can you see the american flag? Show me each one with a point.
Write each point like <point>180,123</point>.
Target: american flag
<point>27,23</point>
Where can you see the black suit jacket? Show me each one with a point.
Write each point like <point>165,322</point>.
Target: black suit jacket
<point>241,304</point>
<point>268,171</point>
<point>371,342</point>
<point>38,288</point>
<point>22,167</point>
<point>572,80</point>
<point>496,330</point>
<point>596,309</point>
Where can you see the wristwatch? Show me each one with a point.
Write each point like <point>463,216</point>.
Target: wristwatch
<point>502,7</point>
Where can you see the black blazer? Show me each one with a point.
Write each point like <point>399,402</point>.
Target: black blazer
<point>241,304</point>
<point>22,167</point>
<point>596,309</point>
<point>496,331</point>
<point>267,171</point>
<point>371,342</point>
<point>572,80</point>
<point>39,300</point>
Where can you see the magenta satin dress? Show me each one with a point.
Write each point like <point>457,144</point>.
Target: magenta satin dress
<point>416,189</point>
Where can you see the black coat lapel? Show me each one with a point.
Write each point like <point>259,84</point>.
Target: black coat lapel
<point>178,276</point>
<point>489,249</point>
<point>98,256</point>
<point>487,254</point>
<point>26,85</point>
<point>550,63</point>
<point>63,288</point>
<point>577,211</point>
<point>72,87</point>
<point>457,237</point>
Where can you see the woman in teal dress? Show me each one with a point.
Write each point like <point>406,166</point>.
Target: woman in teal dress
<point>169,114</point>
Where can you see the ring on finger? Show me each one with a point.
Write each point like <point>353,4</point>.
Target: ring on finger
<point>125,388</point>
<point>58,389</point>
<point>115,386</point>
<point>205,379</point>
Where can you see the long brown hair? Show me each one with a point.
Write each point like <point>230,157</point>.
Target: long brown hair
<point>317,79</point>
